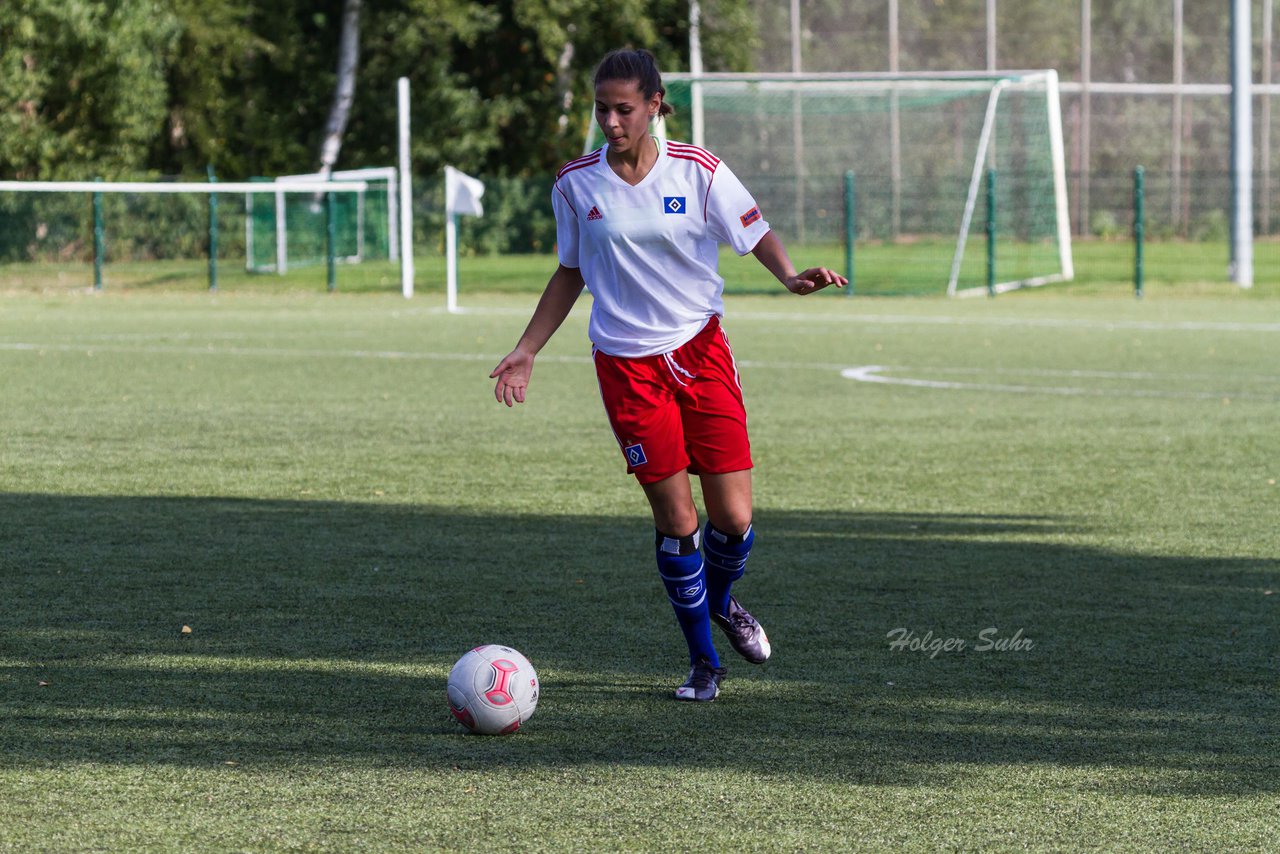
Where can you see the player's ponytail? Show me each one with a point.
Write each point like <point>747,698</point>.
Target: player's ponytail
<point>638,66</point>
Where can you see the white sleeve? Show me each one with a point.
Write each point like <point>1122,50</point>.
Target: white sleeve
<point>733,217</point>
<point>566,227</point>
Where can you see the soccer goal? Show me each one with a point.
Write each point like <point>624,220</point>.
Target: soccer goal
<point>155,229</point>
<point>949,182</point>
<point>286,229</point>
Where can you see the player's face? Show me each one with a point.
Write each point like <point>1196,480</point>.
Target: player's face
<point>623,113</point>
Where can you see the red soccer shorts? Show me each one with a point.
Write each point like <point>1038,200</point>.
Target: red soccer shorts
<point>677,410</point>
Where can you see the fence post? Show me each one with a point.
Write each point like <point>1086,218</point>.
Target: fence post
<point>850,228</point>
<point>991,232</point>
<point>331,239</point>
<point>99,249</point>
<point>1139,229</point>
<point>213,232</point>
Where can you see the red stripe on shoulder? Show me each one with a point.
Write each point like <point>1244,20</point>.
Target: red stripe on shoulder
<point>685,148</point>
<point>591,155</point>
<point>578,163</point>
<point>573,167</point>
<point>710,167</point>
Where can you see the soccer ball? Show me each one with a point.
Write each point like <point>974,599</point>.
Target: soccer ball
<point>493,690</point>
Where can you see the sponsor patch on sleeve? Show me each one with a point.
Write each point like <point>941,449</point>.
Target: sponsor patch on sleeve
<point>750,217</point>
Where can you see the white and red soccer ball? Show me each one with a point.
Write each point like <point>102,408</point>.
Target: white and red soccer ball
<point>493,689</point>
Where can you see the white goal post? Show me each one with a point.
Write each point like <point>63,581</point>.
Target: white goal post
<point>384,179</point>
<point>1046,81</point>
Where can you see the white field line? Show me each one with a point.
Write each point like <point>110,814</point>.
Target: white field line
<point>866,373</point>
<point>1072,372</point>
<point>286,352</point>
<point>875,374</point>
<point>947,320</point>
<point>1036,322</point>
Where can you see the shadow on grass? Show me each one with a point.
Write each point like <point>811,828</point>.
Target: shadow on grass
<point>322,632</point>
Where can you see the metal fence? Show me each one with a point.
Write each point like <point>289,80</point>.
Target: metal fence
<point>1144,82</point>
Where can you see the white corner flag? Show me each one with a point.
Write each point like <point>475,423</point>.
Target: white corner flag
<point>461,196</point>
<point>462,193</point>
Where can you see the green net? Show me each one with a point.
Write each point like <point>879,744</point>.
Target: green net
<point>154,232</point>
<point>289,230</point>
<point>58,227</point>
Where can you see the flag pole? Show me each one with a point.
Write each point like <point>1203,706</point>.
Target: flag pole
<point>461,196</point>
<point>406,208</point>
<point>451,262</point>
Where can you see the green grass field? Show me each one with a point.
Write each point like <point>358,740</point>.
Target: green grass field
<point>323,489</point>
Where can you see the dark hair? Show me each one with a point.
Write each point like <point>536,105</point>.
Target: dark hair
<point>637,65</point>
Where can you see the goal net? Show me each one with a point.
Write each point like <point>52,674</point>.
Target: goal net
<point>286,229</point>
<point>150,231</point>
<point>898,167</point>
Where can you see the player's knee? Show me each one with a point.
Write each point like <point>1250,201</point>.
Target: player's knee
<point>675,518</point>
<point>676,523</point>
<point>733,523</point>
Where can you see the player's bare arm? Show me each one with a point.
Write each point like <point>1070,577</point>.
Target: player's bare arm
<point>513,372</point>
<point>773,255</point>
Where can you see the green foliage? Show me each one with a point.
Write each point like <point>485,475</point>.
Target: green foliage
<point>517,218</point>
<point>1211,226</point>
<point>1103,223</point>
<point>53,227</point>
<point>168,86</point>
<point>209,92</point>
<point>82,84</point>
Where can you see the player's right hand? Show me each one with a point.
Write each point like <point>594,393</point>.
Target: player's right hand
<point>512,374</point>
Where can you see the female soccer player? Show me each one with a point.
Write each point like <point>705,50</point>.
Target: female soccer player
<point>638,222</point>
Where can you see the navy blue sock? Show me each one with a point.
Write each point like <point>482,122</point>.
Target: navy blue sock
<point>726,557</point>
<point>680,565</point>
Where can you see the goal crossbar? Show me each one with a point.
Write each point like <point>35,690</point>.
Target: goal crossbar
<point>904,78</point>
<point>180,186</point>
<point>388,175</point>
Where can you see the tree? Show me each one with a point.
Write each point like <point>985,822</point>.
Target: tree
<point>500,87</point>
<point>345,90</point>
<point>209,88</point>
<point>82,85</point>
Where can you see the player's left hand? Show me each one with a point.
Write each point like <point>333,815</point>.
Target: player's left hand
<point>512,374</point>
<point>814,279</point>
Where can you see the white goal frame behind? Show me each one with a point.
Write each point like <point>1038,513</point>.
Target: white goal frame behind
<point>1000,82</point>
<point>388,174</point>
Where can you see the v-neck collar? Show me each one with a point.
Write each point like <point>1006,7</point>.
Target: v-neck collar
<point>649,176</point>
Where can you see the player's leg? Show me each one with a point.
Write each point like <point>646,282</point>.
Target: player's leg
<point>728,536</point>
<point>671,500</point>
<point>680,565</point>
<point>715,424</point>
<point>646,421</point>
<point>726,545</point>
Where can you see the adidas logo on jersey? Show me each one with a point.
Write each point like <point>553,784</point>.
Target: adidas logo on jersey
<point>594,213</point>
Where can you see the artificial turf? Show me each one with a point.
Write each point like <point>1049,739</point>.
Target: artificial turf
<point>323,490</point>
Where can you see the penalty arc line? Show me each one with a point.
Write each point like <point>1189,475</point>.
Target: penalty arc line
<point>874,374</point>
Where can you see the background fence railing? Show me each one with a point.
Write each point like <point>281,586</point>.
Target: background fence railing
<point>58,227</point>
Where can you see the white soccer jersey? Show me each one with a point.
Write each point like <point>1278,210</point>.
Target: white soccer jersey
<point>648,253</point>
